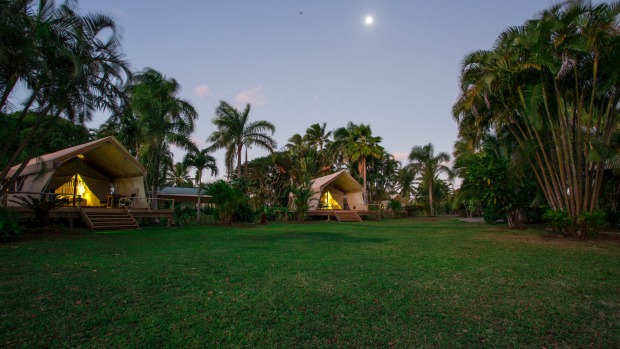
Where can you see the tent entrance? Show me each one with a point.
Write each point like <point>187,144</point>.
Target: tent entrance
<point>327,202</point>
<point>76,186</point>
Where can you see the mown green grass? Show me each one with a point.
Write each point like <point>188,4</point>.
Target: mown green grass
<point>403,283</point>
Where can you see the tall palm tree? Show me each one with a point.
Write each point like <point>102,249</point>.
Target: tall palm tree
<point>358,144</point>
<point>200,161</point>
<point>163,117</point>
<point>430,166</point>
<point>317,136</point>
<point>66,66</point>
<point>550,84</point>
<point>234,132</point>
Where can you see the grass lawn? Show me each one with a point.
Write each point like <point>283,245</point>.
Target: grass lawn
<point>400,283</point>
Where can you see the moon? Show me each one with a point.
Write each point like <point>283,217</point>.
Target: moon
<point>368,20</point>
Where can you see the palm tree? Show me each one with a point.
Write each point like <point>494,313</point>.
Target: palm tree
<point>316,136</point>
<point>235,132</point>
<point>67,68</point>
<point>406,182</point>
<point>430,167</point>
<point>178,175</point>
<point>358,144</point>
<point>163,117</point>
<point>550,84</point>
<point>200,161</point>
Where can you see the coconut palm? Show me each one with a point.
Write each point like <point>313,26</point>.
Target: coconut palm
<point>358,144</point>
<point>67,68</point>
<point>430,166</point>
<point>406,182</point>
<point>178,175</point>
<point>200,161</point>
<point>234,132</point>
<point>317,136</point>
<point>163,117</point>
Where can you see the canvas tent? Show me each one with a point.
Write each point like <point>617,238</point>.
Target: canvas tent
<point>329,192</point>
<point>396,197</point>
<point>92,170</point>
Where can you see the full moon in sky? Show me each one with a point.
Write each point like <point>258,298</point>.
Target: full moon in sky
<point>368,20</point>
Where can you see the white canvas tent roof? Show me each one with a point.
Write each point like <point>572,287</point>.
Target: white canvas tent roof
<point>106,154</point>
<point>339,184</point>
<point>102,165</point>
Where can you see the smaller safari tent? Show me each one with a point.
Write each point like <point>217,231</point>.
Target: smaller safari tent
<point>395,197</point>
<point>91,170</point>
<point>337,191</point>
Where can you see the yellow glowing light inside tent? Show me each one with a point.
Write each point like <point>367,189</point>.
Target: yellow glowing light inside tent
<point>329,202</point>
<point>83,190</point>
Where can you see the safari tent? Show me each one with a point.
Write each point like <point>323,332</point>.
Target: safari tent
<point>337,191</point>
<point>93,171</point>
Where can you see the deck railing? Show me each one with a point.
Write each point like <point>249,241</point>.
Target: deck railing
<point>146,204</point>
<point>11,198</point>
<point>131,203</point>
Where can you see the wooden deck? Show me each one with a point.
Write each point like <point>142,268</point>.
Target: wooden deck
<point>331,214</point>
<point>73,213</point>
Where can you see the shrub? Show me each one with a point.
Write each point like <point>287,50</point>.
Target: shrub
<point>9,226</point>
<point>226,198</point>
<point>559,221</point>
<point>395,206</point>
<point>183,213</point>
<point>494,214</point>
<point>612,217</point>
<point>590,222</point>
<point>244,213</point>
<point>41,206</point>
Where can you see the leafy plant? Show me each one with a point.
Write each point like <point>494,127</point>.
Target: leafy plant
<point>9,226</point>
<point>590,222</point>
<point>226,199</point>
<point>183,213</point>
<point>302,193</point>
<point>395,206</point>
<point>560,221</point>
<point>41,206</point>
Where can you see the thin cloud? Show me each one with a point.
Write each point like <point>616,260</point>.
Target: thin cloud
<point>401,156</point>
<point>253,96</point>
<point>202,91</point>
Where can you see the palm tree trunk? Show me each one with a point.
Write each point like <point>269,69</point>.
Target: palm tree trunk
<point>239,149</point>
<point>430,198</point>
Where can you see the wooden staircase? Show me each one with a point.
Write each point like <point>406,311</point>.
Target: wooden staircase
<point>108,218</point>
<point>347,216</point>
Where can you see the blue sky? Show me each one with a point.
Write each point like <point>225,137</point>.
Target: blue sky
<point>302,62</point>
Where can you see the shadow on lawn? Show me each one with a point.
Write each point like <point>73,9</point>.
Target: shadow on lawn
<point>313,237</point>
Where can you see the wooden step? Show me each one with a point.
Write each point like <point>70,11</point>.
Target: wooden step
<point>108,219</point>
<point>347,216</point>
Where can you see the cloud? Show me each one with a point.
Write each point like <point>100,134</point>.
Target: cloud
<point>401,156</point>
<point>202,91</point>
<point>254,96</point>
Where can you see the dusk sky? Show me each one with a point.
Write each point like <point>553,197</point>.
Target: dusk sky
<point>303,62</point>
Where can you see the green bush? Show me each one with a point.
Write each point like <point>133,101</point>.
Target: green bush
<point>395,206</point>
<point>559,221</point>
<point>493,214</point>
<point>183,213</point>
<point>245,213</point>
<point>590,222</point>
<point>612,217</point>
<point>9,226</point>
